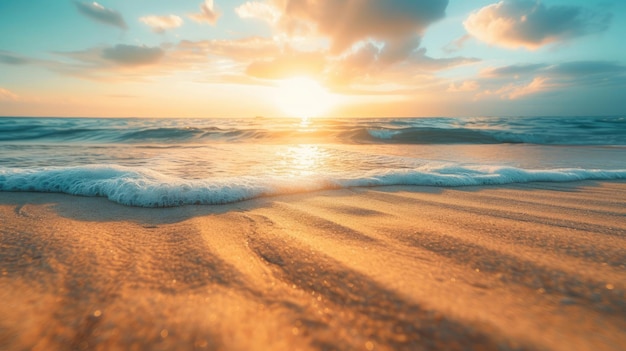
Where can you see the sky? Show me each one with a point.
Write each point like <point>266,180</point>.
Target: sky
<point>309,58</point>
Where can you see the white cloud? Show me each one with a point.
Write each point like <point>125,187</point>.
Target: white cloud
<point>259,10</point>
<point>397,23</point>
<point>207,14</point>
<point>160,24</point>
<point>530,24</point>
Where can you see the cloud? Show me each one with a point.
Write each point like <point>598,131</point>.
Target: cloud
<point>131,55</point>
<point>160,24</point>
<point>574,70</point>
<point>346,22</point>
<point>396,24</point>
<point>514,91</point>
<point>587,69</point>
<point>537,85</point>
<point>257,60</point>
<point>369,62</point>
<point>209,60</point>
<point>348,44</point>
<point>10,58</point>
<point>115,63</point>
<point>530,24</point>
<point>271,59</point>
<point>422,62</point>
<point>456,45</point>
<point>518,81</point>
<point>259,10</point>
<point>101,14</point>
<point>207,14</point>
<point>7,95</point>
<point>514,70</point>
<point>241,50</point>
<point>465,86</point>
<point>289,65</point>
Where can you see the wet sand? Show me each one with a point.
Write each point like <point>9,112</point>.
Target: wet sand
<point>523,267</point>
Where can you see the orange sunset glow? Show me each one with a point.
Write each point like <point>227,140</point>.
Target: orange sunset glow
<point>312,175</point>
<point>303,97</point>
<point>367,58</point>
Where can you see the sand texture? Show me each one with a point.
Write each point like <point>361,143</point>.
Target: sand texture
<point>523,267</point>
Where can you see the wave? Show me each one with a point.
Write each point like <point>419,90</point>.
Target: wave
<point>146,188</point>
<point>545,131</point>
<point>412,135</point>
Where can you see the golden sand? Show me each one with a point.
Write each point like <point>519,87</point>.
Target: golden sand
<point>534,266</point>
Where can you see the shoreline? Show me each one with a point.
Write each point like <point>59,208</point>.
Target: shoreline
<point>518,266</point>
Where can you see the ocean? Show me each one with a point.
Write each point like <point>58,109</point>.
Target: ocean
<point>176,162</point>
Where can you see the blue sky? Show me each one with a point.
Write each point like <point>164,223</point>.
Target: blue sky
<point>221,58</point>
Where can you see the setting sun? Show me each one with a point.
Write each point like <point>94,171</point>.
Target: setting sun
<point>313,174</point>
<point>303,97</point>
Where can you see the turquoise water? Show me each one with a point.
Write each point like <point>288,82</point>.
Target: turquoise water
<point>173,162</point>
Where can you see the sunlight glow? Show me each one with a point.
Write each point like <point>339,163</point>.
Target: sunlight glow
<point>303,160</point>
<point>303,97</point>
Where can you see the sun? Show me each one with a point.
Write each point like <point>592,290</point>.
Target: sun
<point>302,97</point>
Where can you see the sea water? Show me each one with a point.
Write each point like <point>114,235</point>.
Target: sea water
<point>175,162</point>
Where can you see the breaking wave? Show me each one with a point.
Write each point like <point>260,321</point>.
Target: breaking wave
<point>143,187</point>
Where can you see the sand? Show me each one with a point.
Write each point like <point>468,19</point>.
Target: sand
<point>523,267</point>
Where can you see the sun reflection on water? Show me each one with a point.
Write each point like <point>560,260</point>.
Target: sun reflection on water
<point>306,126</point>
<point>302,160</point>
<point>305,123</point>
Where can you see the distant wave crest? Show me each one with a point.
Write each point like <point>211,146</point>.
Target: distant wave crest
<point>413,135</point>
<point>547,131</point>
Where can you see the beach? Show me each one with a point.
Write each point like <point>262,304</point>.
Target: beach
<point>295,175</point>
<point>536,266</point>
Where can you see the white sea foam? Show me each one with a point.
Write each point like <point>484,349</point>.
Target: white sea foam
<point>145,188</point>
